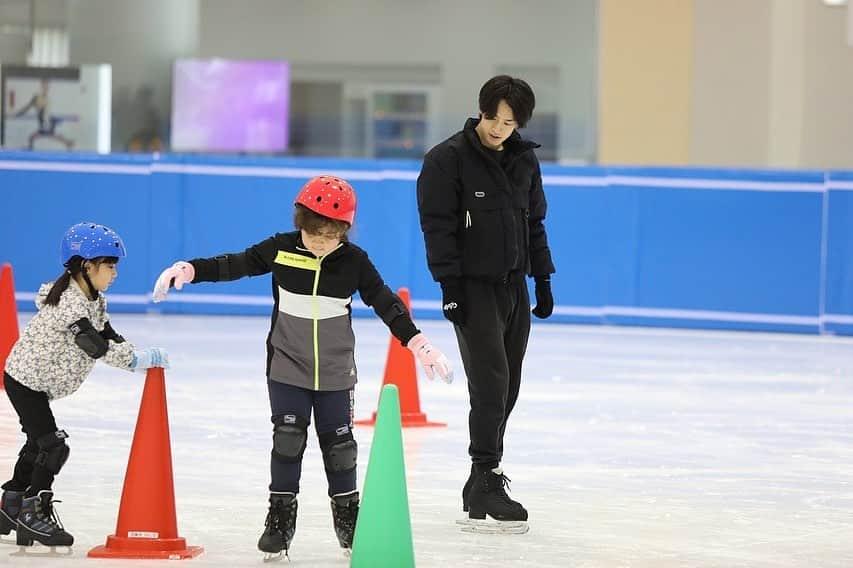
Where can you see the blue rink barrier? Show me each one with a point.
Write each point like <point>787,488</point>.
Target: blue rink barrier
<point>696,248</point>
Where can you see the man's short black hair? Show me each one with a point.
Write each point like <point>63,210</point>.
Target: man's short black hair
<point>517,94</point>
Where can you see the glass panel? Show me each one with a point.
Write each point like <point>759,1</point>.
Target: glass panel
<point>400,125</point>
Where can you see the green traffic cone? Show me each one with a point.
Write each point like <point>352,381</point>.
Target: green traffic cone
<point>383,533</point>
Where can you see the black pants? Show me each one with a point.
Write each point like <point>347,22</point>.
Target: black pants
<point>36,417</point>
<point>492,343</point>
<point>333,413</point>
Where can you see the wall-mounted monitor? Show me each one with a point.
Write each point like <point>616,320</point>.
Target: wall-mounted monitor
<point>222,105</point>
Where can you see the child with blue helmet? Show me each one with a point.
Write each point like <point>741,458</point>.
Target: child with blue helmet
<point>55,353</point>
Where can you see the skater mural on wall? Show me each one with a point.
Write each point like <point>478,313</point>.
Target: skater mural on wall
<point>56,109</point>
<point>46,122</point>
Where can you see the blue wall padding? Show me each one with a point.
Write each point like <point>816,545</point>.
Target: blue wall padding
<point>704,248</point>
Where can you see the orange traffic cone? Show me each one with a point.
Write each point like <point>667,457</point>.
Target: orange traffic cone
<point>8,316</point>
<point>400,370</point>
<point>147,526</point>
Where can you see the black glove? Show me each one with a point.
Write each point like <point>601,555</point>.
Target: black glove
<point>453,300</point>
<point>544,299</point>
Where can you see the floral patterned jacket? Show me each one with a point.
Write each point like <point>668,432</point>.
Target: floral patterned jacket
<point>45,358</point>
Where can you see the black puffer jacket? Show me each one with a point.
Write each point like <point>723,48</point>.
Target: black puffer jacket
<point>481,220</point>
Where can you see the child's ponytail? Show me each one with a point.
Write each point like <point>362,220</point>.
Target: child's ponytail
<point>74,266</point>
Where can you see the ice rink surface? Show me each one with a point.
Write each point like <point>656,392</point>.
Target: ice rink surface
<point>629,446</point>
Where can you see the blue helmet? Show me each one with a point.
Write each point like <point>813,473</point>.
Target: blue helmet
<point>90,240</point>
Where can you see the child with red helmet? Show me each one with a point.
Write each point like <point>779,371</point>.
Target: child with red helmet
<point>55,353</point>
<point>310,347</point>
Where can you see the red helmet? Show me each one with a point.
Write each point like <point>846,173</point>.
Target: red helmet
<point>329,196</point>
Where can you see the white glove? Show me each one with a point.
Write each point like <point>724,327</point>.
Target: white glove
<point>430,358</point>
<point>152,357</point>
<point>181,272</point>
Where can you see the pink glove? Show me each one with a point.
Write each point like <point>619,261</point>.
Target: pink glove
<point>181,272</point>
<point>430,358</point>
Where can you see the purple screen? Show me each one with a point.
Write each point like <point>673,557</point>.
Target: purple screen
<point>230,106</point>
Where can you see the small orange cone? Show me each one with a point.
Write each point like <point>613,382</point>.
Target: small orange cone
<point>8,316</point>
<point>147,526</point>
<point>400,370</point>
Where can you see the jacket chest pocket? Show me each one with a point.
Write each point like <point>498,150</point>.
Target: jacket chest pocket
<point>482,206</point>
<point>483,225</point>
<point>491,199</point>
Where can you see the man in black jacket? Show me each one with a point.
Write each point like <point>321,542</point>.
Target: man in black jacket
<point>482,209</point>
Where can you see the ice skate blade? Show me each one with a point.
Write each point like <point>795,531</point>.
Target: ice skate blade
<point>489,526</point>
<point>275,556</point>
<point>42,551</point>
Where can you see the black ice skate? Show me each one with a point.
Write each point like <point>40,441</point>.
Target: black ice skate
<point>466,489</point>
<point>487,496</point>
<point>345,514</point>
<point>280,525</point>
<point>10,505</point>
<point>38,521</point>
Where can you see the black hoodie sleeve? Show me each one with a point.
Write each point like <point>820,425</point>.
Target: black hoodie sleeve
<point>540,254</point>
<point>439,193</point>
<point>387,305</point>
<point>254,261</point>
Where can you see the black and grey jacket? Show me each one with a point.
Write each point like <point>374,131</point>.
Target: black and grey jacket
<point>46,358</point>
<point>481,219</point>
<point>311,342</point>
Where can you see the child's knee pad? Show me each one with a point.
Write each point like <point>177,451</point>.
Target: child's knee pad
<point>290,436</point>
<point>340,450</point>
<point>53,451</point>
<point>28,453</point>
